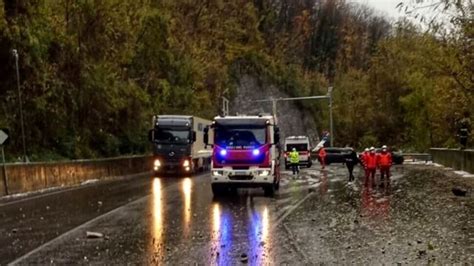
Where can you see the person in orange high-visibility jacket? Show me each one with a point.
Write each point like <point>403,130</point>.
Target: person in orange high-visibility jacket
<point>322,157</point>
<point>384,162</point>
<point>362,158</point>
<point>371,164</point>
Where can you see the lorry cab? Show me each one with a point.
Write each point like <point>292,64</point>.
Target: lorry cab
<point>302,146</point>
<point>245,153</point>
<point>176,147</point>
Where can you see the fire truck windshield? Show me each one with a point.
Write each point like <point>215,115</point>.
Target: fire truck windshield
<point>240,136</point>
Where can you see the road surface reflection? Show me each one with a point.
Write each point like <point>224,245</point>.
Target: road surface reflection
<point>221,235</point>
<point>157,246</point>
<point>260,242</point>
<point>231,235</point>
<point>374,205</point>
<point>186,189</point>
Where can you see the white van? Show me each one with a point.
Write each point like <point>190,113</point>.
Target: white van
<point>302,145</point>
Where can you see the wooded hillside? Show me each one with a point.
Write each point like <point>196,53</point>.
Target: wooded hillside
<point>93,72</point>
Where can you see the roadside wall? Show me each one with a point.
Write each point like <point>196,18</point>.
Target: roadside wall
<point>36,176</point>
<point>456,159</point>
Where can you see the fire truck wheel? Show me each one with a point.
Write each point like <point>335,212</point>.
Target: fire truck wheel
<point>269,190</point>
<point>218,189</point>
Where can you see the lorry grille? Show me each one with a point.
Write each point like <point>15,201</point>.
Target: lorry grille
<point>241,177</point>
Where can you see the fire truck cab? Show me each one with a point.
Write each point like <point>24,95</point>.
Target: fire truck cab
<point>245,153</point>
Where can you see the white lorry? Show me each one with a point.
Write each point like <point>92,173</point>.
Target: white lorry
<point>178,146</point>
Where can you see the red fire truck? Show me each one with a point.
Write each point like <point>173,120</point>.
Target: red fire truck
<point>245,153</point>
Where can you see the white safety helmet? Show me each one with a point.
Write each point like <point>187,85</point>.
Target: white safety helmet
<point>294,149</point>
<point>384,147</point>
<point>366,149</point>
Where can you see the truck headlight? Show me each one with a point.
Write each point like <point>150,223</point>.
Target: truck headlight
<point>263,173</point>
<point>157,163</point>
<point>217,173</point>
<point>186,163</point>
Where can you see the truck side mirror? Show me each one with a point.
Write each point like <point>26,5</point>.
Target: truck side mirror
<point>206,136</point>
<point>193,136</point>
<point>151,135</point>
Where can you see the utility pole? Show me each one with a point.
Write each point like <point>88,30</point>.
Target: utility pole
<point>331,124</point>
<point>15,54</point>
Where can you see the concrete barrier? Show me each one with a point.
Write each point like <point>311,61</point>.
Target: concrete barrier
<point>36,176</point>
<point>456,159</point>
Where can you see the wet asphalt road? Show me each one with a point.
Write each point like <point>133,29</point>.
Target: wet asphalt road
<point>315,218</point>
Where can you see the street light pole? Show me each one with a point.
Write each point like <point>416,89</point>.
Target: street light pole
<point>331,124</point>
<point>225,106</point>
<point>15,54</point>
<point>327,96</point>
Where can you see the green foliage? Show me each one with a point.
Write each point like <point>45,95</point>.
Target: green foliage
<point>94,72</point>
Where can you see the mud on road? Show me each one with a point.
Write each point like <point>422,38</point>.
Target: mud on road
<point>416,221</point>
<point>316,217</point>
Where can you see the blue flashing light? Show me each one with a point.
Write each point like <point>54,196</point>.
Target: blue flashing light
<point>256,152</point>
<point>223,152</point>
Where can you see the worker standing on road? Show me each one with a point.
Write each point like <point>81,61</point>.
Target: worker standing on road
<point>384,161</point>
<point>295,161</point>
<point>371,162</point>
<point>464,130</point>
<point>322,157</point>
<point>362,158</point>
<point>351,160</point>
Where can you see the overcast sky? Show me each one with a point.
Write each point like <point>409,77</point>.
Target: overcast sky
<point>387,6</point>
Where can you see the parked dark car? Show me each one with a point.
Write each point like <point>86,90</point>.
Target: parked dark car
<point>333,155</point>
<point>397,158</point>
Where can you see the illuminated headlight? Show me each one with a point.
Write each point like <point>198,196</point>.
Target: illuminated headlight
<point>263,173</point>
<point>186,163</point>
<point>217,173</point>
<point>157,163</point>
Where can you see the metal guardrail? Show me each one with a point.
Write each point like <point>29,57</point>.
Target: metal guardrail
<point>417,157</point>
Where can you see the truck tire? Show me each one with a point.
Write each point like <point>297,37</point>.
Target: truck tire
<point>269,190</point>
<point>277,185</point>
<point>309,164</point>
<point>218,189</point>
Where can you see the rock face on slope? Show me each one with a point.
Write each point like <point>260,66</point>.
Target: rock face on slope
<point>292,121</point>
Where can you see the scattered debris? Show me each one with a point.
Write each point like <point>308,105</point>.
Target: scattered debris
<point>460,192</point>
<point>94,234</point>
<point>430,246</point>
<point>244,258</point>
<point>422,253</point>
